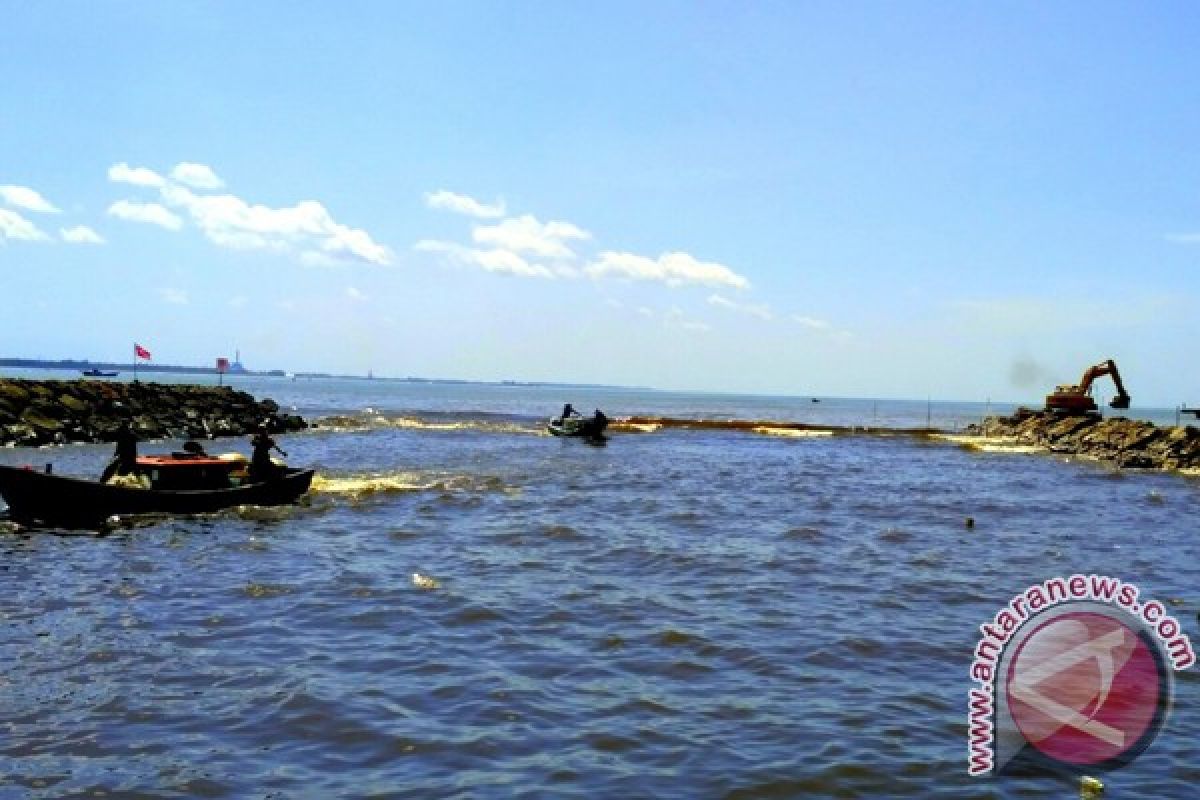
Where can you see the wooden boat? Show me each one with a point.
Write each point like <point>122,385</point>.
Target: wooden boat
<point>177,484</point>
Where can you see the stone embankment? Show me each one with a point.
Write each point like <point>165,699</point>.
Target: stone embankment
<point>35,412</point>
<point>1124,442</point>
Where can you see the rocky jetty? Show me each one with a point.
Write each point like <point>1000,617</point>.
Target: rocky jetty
<point>34,413</point>
<point>1124,442</point>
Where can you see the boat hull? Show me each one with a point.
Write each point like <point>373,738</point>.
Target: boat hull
<point>69,502</point>
<point>583,427</point>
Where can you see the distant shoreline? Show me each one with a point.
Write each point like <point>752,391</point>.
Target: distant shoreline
<point>81,365</point>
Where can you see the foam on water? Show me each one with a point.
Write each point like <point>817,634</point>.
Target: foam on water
<point>790,433</point>
<point>364,485</point>
<point>988,444</point>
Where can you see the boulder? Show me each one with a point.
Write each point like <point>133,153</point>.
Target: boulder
<point>22,435</point>
<point>40,422</point>
<point>74,404</point>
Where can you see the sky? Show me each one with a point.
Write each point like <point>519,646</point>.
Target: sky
<point>951,200</point>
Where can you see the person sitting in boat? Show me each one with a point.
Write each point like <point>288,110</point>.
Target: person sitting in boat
<point>124,458</point>
<point>194,449</point>
<point>262,468</point>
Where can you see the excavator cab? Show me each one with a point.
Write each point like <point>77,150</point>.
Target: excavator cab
<point>1077,399</point>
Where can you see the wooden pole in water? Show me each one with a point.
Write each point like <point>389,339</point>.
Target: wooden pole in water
<point>928,411</point>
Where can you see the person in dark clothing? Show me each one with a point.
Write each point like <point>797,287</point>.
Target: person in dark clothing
<point>261,466</point>
<point>597,425</point>
<point>124,458</point>
<point>568,412</point>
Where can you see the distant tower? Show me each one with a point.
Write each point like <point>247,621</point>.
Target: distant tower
<point>236,367</point>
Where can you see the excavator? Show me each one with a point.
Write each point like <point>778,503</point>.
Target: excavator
<point>1077,399</point>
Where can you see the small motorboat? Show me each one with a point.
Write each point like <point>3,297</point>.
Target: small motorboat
<point>99,373</point>
<point>176,483</point>
<point>588,428</point>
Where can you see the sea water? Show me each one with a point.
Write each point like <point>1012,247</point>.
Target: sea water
<point>678,614</point>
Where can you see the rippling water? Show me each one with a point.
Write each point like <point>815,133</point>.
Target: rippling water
<point>678,614</point>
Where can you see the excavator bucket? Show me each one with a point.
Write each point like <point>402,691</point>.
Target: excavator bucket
<point>1120,401</point>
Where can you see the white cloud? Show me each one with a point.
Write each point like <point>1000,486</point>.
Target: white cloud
<point>138,176</point>
<point>525,234</point>
<point>306,229</point>
<point>80,234</point>
<point>499,261</point>
<point>811,323</point>
<point>230,221</point>
<point>760,310</point>
<point>198,176</point>
<point>1184,238</point>
<point>25,198</point>
<point>461,204</point>
<point>151,213</point>
<point>355,294</point>
<point>176,297</point>
<point>673,269</point>
<point>515,245</point>
<point>14,226</point>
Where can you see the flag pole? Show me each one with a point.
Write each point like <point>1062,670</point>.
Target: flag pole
<point>135,362</point>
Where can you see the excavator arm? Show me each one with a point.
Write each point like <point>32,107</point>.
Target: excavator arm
<point>1077,399</point>
<point>1122,399</point>
<point>1109,368</point>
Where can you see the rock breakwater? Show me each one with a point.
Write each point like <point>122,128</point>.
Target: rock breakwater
<point>1124,442</point>
<point>37,412</point>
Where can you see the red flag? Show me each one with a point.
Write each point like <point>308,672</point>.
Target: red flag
<point>222,365</point>
<point>140,351</point>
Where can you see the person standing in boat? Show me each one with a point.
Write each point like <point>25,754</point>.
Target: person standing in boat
<point>568,412</point>
<point>598,423</point>
<point>124,459</point>
<point>262,468</point>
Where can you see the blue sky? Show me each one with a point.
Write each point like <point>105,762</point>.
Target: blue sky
<point>959,200</point>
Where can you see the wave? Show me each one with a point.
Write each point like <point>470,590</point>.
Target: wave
<point>987,444</point>
<point>359,486</point>
<point>762,427</point>
<point>369,419</point>
<point>792,433</point>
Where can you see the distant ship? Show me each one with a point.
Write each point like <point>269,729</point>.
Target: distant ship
<point>99,373</point>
